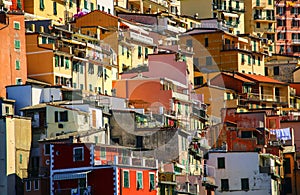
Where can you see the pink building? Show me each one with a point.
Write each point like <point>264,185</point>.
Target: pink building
<point>288,26</point>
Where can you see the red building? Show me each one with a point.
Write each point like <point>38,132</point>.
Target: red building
<point>13,50</point>
<point>287,28</point>
<point>100,169</point>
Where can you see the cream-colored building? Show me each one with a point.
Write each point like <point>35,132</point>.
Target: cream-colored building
<point>260,20</point>
<point>200,8</point>
<point>141,6</point>
<point>15,143</point>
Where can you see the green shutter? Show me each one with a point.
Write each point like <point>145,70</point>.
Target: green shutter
<point>67,63</point>
<point>17,25</point>
<point>19,4</point>
<point>54,8</point>
<point>249,59</point>
<point>85,4</point>
<point>139,180</point>
<point>42,5</point>
<point>71,3</point>
<point>139,51</point>
<point>21,158</point>
<point>152,183</point>
<point>81,68</point>
<point>103,153</point>
<point>146,52</point>
<point>92,6</point>
<point>126,179</point>
<point>17,44</point>
<point>17,65</point>
<point>56,61</point>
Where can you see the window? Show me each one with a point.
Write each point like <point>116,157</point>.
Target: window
<point>56,61</point>
<point>16,25</point>
<point>228,96</point>
<point>270,2</point>
<point>257,25</point>
<point>108,10</point>
<point>198,80</point>
<point>62,61</point>
<point>287,165</point>
<point>98,7</point>
<point>146,52</point>
<point>287,185</point>
<point>44,40</point>
<point>17,64</point>
<point>139,51</point>
<point>246,134</point>
<point>47,149</point>
<point>126,180</point>
<point>18,81</point>
<point>91,68</point>
<point>74,85</point>
<point>67,63</point>
<point>28,186</point>
<point>224,184</point>
<point>276,70</point>
<point>92,6</point>
<point>139,180</point>
<point>71,3</point>
<point>36,185</point>
<point>196,61</point>
<point>21,159</point>
<point>245,184</point>
<point>152,181</point>
<point>209,61</point>
<point>78,154</point>
<point>100,71</point>
<point>19,4</point>
<point>81,69</point>
<point>243,58</point>
<point>221,163</point>
<point>189,43</point>
<point>253,59</point>
<point>54,8</point>
<point>85,4</point>
<point>61,116</point>
<point>258,60</point>
<point>103,8</point>
<point>17,44</point>
<point>90,87</point>
<point>103,153</point>
<point>128,53</point>
<point>122,49</point>
<point>249,59</point>
<point>206,42</point>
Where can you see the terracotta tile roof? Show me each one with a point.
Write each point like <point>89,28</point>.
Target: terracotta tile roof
<point>260,78</point>
<point>236,76</point>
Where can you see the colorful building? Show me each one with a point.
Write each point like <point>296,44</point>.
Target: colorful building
<point>14,55</point>
<point>260,21</point>
<point>15,153</point>
<point>287,36</point>
<point>217,50</point>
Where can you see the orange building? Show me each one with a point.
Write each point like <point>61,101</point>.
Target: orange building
<point>13,50</point>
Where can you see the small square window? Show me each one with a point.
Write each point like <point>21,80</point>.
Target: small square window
<point>17,25</point>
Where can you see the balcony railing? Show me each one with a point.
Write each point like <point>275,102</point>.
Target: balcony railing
<point>259,4</point>
<point>141,38</point>
<point>263,97</point>
<point>296,41</point>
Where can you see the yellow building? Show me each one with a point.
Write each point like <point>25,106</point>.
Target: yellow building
<point>141,6</point>
<point>59,11</point>
<point>260,20</point>
<point>14,153</point>
<point>200,8</point>
<point>134,46</point>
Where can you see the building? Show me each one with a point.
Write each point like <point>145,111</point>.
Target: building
<point>15,153</point>
<point>244,173</point>
<point>204,11</point>
<point>217,50</point>
<point>287,37</point>
<point>260,20</point>
<point>139,6</point>
<point>14,56</point>
<point>83,164</point>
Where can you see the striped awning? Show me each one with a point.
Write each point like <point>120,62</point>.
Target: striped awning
<point>68,176</point>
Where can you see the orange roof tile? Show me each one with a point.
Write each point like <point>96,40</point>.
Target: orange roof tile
<point>260,78</point>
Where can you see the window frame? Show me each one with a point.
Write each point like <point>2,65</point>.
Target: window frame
<point>18,65</point>
<point>17,44</point>
<point>28,189</point>
<point>128,172</point>
<point>153,185</point>
<point>17,25</point>
<point>219,166</point>
<point>36,187</point>
<point>74,154</point>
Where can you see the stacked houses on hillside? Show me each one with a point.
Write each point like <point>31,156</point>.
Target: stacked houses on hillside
<point>149,97</point>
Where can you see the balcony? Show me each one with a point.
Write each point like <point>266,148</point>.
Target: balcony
<point>261,18</point>
<point>141,38</point>
<point>296,41</point>
<point>180,96</point>
<point>231,24</point>
<point>229,47</point>
<point>176,29</point>
<point>266,169</point>
<point>238,9</point>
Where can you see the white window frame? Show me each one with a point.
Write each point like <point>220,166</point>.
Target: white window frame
<point>82,149</point>
<point>142,187</point>
<point>36,187</point>
<point>126,170</point>
<point>28,189</point>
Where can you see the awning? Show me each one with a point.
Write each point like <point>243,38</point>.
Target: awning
<point>230,15</point>
<point>68,176</point>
